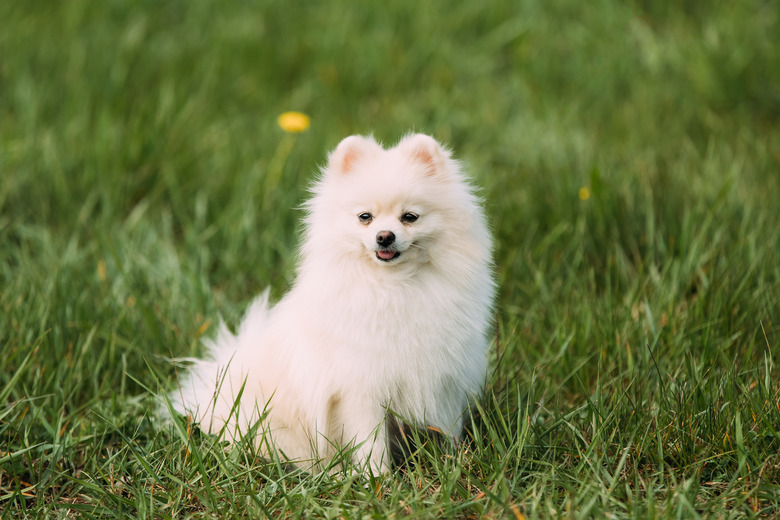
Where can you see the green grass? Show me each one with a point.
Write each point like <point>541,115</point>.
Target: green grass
<point>638,330</point>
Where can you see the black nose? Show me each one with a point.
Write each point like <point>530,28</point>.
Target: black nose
<point>385,238</point>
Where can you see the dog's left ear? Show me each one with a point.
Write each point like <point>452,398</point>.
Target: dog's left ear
<point>424,151</point>
<point>351,151</point>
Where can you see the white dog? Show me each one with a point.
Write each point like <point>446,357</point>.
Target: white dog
<point>389,312</point>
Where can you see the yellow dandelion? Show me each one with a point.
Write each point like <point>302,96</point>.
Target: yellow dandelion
<point>584,193</point>
<point>294,122</point>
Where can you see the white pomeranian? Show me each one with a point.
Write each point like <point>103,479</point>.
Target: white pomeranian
<point>389,314</point>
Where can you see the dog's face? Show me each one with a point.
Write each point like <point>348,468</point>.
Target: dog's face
<point>391,208</point>
<point>393,231</point>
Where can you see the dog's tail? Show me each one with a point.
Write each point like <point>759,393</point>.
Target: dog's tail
<point>255,318</point>
<point>206,386</point>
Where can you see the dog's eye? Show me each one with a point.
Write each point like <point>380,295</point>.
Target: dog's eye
<point>408,218</point>
<point>365,218</point>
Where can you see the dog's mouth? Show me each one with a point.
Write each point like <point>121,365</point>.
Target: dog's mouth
<point>386,255</point>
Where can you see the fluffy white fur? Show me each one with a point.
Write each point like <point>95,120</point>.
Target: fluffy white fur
<point>366,328</point>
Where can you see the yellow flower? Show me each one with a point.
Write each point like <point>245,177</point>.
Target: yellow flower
<point>584,193</point>
<point>293,122</point>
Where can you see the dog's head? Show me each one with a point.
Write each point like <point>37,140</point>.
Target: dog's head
<point>394,207</point>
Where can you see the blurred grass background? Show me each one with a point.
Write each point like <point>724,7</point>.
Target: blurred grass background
<point>629,156</point>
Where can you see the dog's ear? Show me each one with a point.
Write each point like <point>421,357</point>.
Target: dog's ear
<point>426,152</point>
<point>351,151</point>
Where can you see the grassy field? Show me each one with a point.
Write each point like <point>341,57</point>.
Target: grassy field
<point>629,154</point>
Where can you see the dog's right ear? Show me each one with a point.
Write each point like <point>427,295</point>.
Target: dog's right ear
<point>350,152</point>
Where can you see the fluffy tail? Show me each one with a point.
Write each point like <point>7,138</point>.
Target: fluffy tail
<point>206,390</point>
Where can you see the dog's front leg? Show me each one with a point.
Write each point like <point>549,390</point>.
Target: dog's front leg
<point>364,425</point>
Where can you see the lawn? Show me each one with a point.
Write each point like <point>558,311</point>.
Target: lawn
<point>629,157</point>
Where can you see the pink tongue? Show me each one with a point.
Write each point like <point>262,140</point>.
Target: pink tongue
<point>386,255</point>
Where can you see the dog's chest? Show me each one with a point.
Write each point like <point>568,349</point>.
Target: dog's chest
<point>409,323</point>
